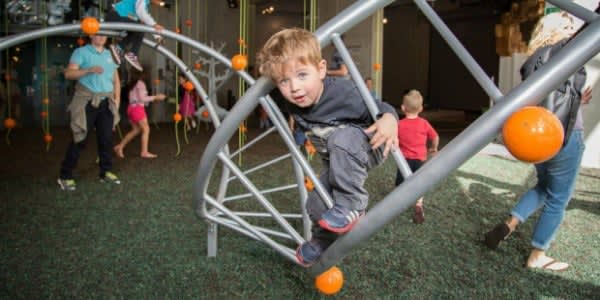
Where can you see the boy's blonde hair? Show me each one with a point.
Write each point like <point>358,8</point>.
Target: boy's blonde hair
<point>412,101</point>
<point>288,44</point>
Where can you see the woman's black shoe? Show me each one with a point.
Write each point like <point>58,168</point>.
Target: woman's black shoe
<point>494,236</point>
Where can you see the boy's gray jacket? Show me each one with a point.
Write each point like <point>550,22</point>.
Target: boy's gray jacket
<point>340,104</point>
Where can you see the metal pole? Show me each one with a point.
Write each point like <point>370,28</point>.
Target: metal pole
<point>574,55</point>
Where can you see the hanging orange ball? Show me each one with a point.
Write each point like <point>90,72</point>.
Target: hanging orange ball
<point>330,281</point>
<point>239,62</point>
<point>45,101</point>
<point>243,128</point>
<point>308,184</point>
<point>533,134</point>
<point>197,66</point>
<point>44,114</point>
<point>188,86</point>
<point>90,25</point>
<point>178,30</point>
<point>310,147</point>
<point>188,23</point>
<point>80,42</point>
<point>241,41</point>
<point>176,117</point>
<point>47,138</point>
<point>205,114</point>
<point>156,81</point>
<point>10,123</point>
<point>376,66</point>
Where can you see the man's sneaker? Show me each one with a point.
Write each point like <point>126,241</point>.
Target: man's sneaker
<point>339,219</point>
<point>116,53</point>
<point>133,61</point>
<point>67,184</point>
<point>308,253</point>
<point>110,177</point>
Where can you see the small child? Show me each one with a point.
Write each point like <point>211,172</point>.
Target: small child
<point>413,134</point>
<point>187,106</point>
<point>132,11</point>
<point>334,115</point>
<point>369,84</point>
<point>263,118</point>
<point>138,99</point>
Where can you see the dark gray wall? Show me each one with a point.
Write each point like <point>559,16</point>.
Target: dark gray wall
<point>415,56</point>
<point>450,84</point>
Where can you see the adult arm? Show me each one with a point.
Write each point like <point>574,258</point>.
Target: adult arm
<point>142,11</point>
<point>74,72</point>
<point>117,88</point>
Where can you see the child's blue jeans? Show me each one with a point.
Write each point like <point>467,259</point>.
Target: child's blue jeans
<point>556,181</point>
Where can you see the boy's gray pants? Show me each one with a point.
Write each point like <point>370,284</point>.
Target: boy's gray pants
<point>347,158</point>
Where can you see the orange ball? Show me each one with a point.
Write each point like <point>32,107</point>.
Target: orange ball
<point>533,134</point>
<point>241,41</point>
<point>197,66</point>
<point>205,113</point>
<point>156,81</point>
<point>90,25</point>
<point>44,114</point>
<point>188,23</point>
<point>377,66</point>
<point>308,184</point>
<point>10,123</point>
<point>188,86</point>
<point>177,117</point>
<point>47,138</point>
<point>330,281</point>
<point>178,30</point>
<point>239,62</point>
<point>45,101</point>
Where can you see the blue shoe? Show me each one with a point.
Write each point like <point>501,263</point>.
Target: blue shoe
<point>308,253</point>
<point>339,219</point>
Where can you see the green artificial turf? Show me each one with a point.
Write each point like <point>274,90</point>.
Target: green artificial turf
<point>143,240</point>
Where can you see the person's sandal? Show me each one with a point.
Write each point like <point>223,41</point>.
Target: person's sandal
<point>494,236</point>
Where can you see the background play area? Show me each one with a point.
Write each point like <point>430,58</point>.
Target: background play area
<point>143,239</point>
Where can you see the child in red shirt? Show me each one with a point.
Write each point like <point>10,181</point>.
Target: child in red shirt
<point>413,134</point>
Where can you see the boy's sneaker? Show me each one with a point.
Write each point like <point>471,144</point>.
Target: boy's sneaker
<point>110,177</point>
<point>339,219</point>
<point>308,253</point>
<point>116,53</point>
<point>67,184</point>
<point>133,61</point>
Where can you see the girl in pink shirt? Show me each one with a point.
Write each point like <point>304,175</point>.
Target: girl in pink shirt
<point>138,99</point>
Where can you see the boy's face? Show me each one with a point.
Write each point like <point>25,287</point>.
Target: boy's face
<point>301,84</point>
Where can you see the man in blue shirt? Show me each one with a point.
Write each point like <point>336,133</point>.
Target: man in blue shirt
<point>95,104</point>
